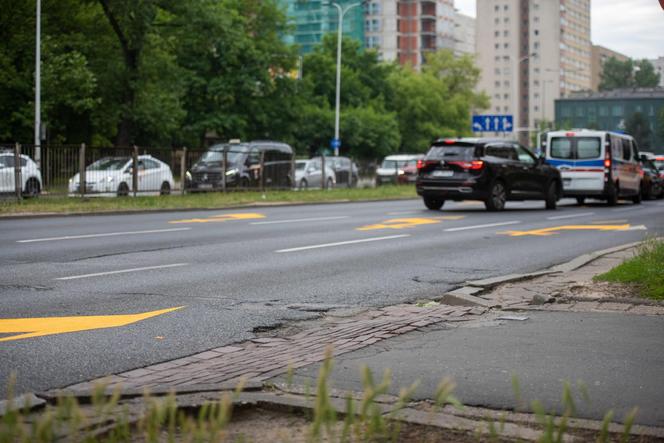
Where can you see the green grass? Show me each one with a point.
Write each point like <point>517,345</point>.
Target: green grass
<point>216,200</point>
<point>646,270</point>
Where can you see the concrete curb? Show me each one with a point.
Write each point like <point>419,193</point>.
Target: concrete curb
<point>29,401</point>
<point>22,216</point>
<point>465,295</point>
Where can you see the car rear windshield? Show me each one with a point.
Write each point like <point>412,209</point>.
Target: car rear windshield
<point>452,152</point>
<point>579,148</point>
<point>393,164</point>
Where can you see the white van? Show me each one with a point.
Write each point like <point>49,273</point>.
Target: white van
<point>595,164</point>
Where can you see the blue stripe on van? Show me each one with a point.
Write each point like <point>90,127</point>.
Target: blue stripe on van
<point>553,162</point>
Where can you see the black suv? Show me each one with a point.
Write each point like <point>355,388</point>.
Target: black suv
<point>491,170</point>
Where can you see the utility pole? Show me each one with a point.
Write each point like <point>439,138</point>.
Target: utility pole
<point>38,88</point>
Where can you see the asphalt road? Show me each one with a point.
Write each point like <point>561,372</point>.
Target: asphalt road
<point>237,271</point>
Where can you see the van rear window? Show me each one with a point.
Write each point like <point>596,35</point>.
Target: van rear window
<point>579,148</point>
<point>452,152</point>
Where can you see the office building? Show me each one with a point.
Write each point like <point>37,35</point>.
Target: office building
<point>464,34</point>
<point>531,52</point>
<point>600,54</point>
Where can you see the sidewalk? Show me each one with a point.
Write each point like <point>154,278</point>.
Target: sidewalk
<point>554,327</point>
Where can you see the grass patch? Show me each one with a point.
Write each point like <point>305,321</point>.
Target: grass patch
<point>646,270</point>
<point>212,200</point>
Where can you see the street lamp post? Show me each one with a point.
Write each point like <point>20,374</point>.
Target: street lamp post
<point>38,87</point>
<point>342,12</point>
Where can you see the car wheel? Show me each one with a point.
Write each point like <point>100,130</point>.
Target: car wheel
<point>165,189</point>
<point>638,197</point>
<point>497,197</point>
<point>303,185</point>
<point>580,200</point>
<point>552,196</point>
<point>31,188</point>
<point>433,203</point>
<point>612,196</point>
<point>123,190</point>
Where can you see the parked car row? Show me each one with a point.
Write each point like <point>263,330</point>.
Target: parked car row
<point>580,164</point>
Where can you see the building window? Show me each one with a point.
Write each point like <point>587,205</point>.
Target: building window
<point>496,33</point>
<point>616,110</point>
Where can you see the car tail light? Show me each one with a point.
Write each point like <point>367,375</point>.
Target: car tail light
<point>474,165</point>
<point>570,134</point>
<point>420,164</point>
<point>449,142</point>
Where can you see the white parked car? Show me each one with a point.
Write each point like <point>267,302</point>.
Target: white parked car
<point>30,175</point>
<point>309,174</point>
<point>393,166</point>
<point>113,176</point>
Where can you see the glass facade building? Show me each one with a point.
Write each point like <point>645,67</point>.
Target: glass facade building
<point>312,19</point>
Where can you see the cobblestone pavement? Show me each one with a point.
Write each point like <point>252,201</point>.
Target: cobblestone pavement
<point>261,359</point>
<point>575,291</point>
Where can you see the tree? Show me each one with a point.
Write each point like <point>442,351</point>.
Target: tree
<point>618,74</point>
<point>638,126</point>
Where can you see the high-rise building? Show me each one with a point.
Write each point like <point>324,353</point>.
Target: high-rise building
<point>658,63</point>
<point>464,34</point>
<point>405,30</point>
<point>312,19</point>
<point>600,54</point>
<point>530,53</point>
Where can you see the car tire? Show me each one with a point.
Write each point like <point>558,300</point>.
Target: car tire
<point>580,201</point>
<point>551,200</point>
<point>612,196</point>
<point>123,190</point>
<point>303,185</point>
<point>165,189</point>
<point>497,197</point>
<point>638,197</point>
<point>32,188</point>
<point>433,203</point>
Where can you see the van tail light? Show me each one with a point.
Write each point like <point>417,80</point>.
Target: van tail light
<point>474,165</point>
<point>607,159</point>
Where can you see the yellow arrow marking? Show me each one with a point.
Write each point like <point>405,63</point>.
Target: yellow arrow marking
<point>405,223</point>
<point>557,229</point>
<point>221,218</point>
<point>38,327</point>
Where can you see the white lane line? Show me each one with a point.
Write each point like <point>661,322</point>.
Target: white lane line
<point>123,271</point>
<point>561,217</point>
<point>298,220</point>
<point>108,234</point>
<point>628,208</point>
<point>490,225</point>
<point>341,243</point>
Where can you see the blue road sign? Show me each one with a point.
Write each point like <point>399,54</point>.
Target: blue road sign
<point>493,123</point>
<point>335,143</point>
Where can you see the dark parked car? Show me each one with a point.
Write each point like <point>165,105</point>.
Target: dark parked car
<point>344,170</point>
<point>652,183</point>
<point>491,170</point>
<point>243,168</point>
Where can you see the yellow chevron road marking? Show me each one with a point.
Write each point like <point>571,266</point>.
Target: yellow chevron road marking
<point>40,326</point>
<point>406,223</point>
<point>557,229</point>
<point>221,218</point>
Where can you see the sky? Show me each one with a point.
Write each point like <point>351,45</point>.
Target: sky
<point>632,27</point>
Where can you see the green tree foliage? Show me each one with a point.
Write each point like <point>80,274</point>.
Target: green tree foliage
<point>638,126</point>
<point>172,72</point>
<point>617,74</point>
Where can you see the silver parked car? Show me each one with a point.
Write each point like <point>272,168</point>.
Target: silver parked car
<point>309,174</point>
<point>30,175</point>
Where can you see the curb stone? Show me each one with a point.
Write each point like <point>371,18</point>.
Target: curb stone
<point>21,402</point>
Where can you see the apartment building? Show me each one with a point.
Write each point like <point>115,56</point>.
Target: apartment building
<point>658,63</point>
<point>532,52</point>
<point>600,54</point>
<point>464,34</point>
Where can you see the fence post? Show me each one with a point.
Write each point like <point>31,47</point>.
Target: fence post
<point>82,179</point>
<point>183,170</point>
<point>323,183</point>
<point>350,173</point>
<point>224,183</point>
<point>396,172</point>
<point>18,181</point>
<point>292,174</point>
<point>134,170</point>
<point>262,171</point>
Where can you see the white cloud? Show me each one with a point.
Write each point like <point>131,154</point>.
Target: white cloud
<point>632,27</point>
